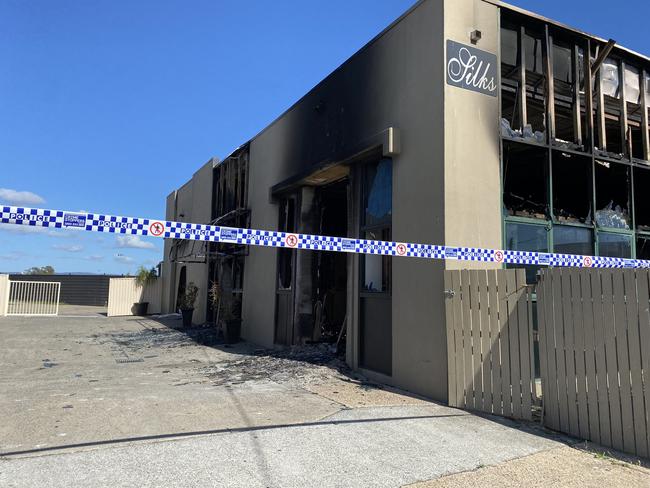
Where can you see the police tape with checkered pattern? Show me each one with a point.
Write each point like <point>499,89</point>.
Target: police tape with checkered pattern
<point>38,217</point>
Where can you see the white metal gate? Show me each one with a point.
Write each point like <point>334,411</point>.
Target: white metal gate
<point>33,298</point>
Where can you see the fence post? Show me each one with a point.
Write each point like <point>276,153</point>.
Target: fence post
<point>6,302</point>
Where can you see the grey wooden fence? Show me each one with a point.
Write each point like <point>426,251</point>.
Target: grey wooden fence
<point>490,341</point>
<point>594,328</point>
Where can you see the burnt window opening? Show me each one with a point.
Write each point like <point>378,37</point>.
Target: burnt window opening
<point>510,79</point>
<point>565,65</point>
<point>572,188</point>
<point>230,191</point>
<point>612,195</point>
<point>634,111</point>
<point>641,200</point>
<point>535,81</point>
<point>611,90</point>
<point>525,170</point>
<point>286,255</point>
<point>643,247</point>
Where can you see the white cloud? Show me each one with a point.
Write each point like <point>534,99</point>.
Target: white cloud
<point>134,242</point>
<point>95,258</point>
<point>121,258</point>
<point>12,256</point>
<point>68,248</point>
<point>20,197</point>
<point>37,229</point>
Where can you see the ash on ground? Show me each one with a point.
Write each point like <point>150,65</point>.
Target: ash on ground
<point>306,364</point>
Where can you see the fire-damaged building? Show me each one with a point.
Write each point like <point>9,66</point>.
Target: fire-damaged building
<point>464,123</point>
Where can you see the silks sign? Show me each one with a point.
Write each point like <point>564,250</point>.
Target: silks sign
<point>471,68</point>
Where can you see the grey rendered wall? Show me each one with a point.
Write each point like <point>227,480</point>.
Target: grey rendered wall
<point>472,164</point>
<point>193,204</point>
<point>395,81</point>
<point>201,214</point>
<point>168,268</point>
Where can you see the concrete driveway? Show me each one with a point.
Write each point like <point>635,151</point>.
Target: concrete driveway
<point>95,401</point>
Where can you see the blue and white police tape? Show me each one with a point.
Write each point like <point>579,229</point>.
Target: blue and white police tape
<point>93,222</point>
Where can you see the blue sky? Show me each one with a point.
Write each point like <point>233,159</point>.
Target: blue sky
<point>108,105</point>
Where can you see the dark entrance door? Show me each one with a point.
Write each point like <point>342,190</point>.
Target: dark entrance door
<point>284,321</point>
<point>375,301</point>
<point>331,268</point>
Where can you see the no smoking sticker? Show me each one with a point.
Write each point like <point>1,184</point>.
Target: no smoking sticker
<point>291,240</point>
<point>156,228</point>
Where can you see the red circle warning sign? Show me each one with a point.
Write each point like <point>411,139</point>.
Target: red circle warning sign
<point>587,262</point>
<point>401,249</point>
<point>498,256</point>
<point>156,228</point>
<point>291,240</point>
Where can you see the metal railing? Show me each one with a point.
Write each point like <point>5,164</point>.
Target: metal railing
<point>33,298</point>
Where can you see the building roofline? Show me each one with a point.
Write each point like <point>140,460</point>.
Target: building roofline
<point>355,54</point>
<point>542,18</point>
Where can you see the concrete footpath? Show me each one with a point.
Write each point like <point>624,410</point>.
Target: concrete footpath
<point>134,402</point>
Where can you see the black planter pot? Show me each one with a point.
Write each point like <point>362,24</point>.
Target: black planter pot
<point>140,308</point>
<point>233,331</point>
<point>187,317</point>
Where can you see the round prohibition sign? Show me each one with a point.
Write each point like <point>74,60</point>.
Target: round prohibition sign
<point>156,228</point>
<point>498,256</point>
<point>291,240</point>
<point>587,262</point>
<point>400,249</point>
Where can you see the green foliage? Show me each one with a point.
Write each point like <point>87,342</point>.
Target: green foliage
<point>189,297</point>
<point>145,276</point>
<point>44,270</point>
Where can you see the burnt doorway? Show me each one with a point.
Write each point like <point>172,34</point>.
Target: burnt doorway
<point>330,269</point>
<point>182,283</point>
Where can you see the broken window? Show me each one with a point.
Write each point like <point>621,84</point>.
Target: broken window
<point>612,195</point>
<point>641,200</point>
<point>378,193</point>
<point>643,247</point>
<point>526,237</point>
<point>376,268</point>
<point>634,111</point>
<point>510,80</point>
<point>286,255</point>
<point>565,65</point>
<point>377,201</point>
<point>611,90</point>
<point>614,245</point>
<point>535,81</point>
<point>647,99</point>
<point>572,188</point>
<point>525,171</point>
<point>573,240</point>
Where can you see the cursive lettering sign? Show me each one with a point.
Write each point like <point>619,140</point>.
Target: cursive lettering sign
<point>471,68</point>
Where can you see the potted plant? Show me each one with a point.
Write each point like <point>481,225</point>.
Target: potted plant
<point>228,308</point>
<point>143,278</point>
<point>187,303</point>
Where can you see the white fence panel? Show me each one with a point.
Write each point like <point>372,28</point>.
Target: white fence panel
<point>4,293</point>
<point>33,298</point>
<point>123,293</point>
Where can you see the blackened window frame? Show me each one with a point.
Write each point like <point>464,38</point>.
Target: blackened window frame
<point>382,227</point>
<point>589,116</point>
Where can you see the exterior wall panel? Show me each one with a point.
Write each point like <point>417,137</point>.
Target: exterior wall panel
<point>395,81</point>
